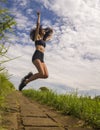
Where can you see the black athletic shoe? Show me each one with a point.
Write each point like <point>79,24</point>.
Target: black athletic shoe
<point>28,76</point>
<point>22,84</point>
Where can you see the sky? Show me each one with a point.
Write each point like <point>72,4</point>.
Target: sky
<point>72,56</point>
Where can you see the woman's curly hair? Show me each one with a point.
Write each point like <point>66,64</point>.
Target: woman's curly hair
<point>48,32</point>
<point>32,34</point>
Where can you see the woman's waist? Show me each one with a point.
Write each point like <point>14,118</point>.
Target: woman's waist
<point>40,48</point>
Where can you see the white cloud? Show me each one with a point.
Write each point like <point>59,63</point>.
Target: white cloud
<point>21,20</point>
<point>73,55</point>
<point>63,7</point>
<point>29,11</point>
<point>22,3</point>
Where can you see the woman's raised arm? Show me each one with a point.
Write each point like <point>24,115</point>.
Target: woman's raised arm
<point>37,26</point>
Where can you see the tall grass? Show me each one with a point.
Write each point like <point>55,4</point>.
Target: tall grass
<point>5,87</point>
<point>84,108</point>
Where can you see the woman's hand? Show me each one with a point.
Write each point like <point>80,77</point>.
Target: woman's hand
<point>38,13</point>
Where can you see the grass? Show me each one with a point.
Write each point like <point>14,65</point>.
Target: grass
<point>81,107</point>
<point>5,88</point>
<point>5,85</point>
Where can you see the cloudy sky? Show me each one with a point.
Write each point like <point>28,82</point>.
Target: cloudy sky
<point>73,54</point>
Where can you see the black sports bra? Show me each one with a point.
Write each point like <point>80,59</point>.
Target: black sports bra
<point>40,42</point>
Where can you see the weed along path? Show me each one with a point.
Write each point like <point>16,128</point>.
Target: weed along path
<point>24,114</point>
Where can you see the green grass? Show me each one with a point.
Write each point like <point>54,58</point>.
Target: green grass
<point>83,108</point>
<point>5,87</point>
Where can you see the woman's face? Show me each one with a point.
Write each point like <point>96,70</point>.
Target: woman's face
<point>42,32</point>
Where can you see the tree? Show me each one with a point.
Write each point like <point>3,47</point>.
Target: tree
<point>6,24</point>
<point>44,89</point>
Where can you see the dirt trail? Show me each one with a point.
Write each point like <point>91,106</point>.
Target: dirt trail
<point>23,114</point>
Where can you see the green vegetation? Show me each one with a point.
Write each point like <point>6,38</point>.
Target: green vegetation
<point>5,87</point>
<point>84,108</point>
<point>44,89</point>
<point>6,24</point>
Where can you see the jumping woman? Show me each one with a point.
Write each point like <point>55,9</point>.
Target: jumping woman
<point>39,35</point>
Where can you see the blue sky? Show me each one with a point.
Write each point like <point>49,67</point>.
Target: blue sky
<point>73,54</point>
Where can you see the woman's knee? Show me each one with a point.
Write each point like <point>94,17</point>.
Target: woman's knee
<point>44,75</point>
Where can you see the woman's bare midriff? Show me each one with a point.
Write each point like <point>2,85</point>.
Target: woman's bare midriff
<point>40,48</point>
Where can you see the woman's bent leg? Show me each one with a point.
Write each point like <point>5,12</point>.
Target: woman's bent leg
<point>41,71</point>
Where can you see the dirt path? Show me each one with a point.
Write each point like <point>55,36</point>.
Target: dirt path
<point>23,114</point>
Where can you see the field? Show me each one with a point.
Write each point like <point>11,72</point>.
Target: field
<point>84,108</point>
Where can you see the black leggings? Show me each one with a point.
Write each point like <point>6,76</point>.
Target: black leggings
<point>38,55</point>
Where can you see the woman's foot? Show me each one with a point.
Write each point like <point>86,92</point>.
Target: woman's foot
<point>23,82</point>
